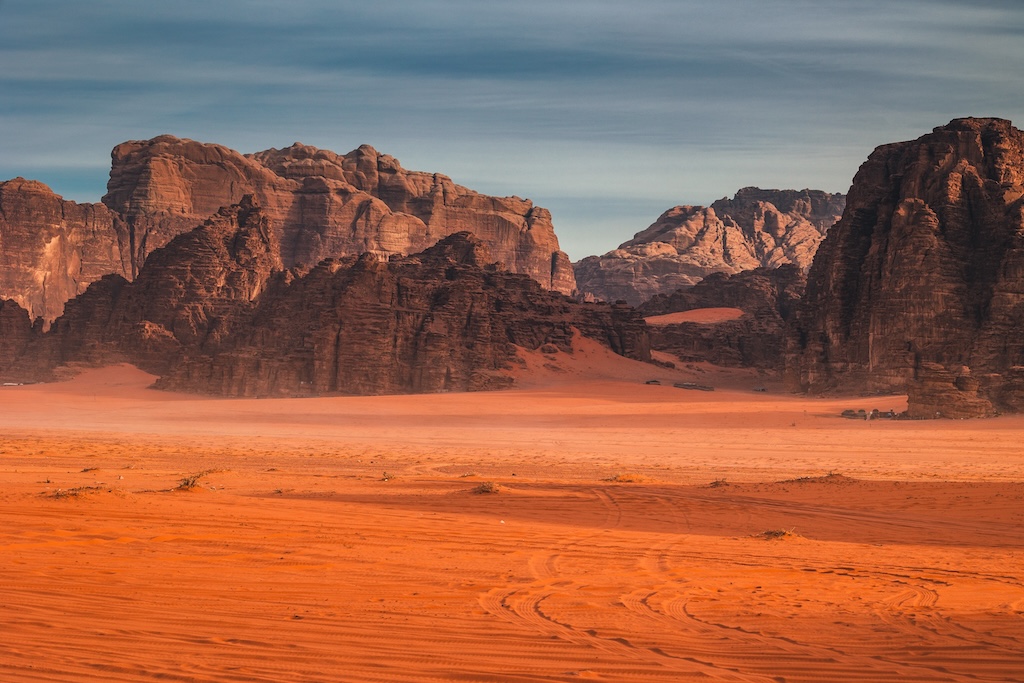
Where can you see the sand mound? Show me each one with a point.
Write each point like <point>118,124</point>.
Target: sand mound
<point>706,316</point>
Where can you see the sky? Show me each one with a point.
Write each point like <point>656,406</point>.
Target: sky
<point>606,112</point>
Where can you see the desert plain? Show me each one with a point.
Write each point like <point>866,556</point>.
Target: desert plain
<point>584,526</point>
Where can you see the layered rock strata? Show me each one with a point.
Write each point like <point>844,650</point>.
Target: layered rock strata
<point>768,297</point>
<point>920,286</point>
<point>325,205</point>
<point>51,249</point>
<point>319,205</point>
<point>214,311</point>
<point>756,228</point>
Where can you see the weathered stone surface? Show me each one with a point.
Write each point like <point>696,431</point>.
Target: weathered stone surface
<point>768,297</point>
<point>214,311</point>
<point>16,336</point>
<point>756,228</point>
<point>937,392</point>
<point>319,204</point>
<point>925,267</point>
<point>51,249</point>
<point>324,205</point>
<point>441,320</point>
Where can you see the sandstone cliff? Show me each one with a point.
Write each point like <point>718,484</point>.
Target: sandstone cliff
<point>769,299</point>
<point>756,228</point>
<point>319,205</point>
<point>51,249</point>
<point>920,286</point>
<point>324,205</point>
<point>215,311</point>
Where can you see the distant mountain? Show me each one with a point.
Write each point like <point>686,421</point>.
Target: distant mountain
<point>756,228</point>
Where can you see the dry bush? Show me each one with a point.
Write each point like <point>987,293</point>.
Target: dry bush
<point>777,534</point>
<point>628,478</point>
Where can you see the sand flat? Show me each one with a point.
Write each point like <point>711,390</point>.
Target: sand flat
<point>697,315</point>
<point>341,539</point>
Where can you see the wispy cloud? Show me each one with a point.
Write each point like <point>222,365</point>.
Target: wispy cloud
<point>584,103</point>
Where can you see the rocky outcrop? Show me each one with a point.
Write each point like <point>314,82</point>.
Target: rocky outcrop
<point>16,336</point>
<point>769,299</point>
<point>214,311</point>
<point>756,228</point>
<point>324,205</point>
<point>51,249</point>
<point>442,320</point>
<point>319,205</point>
<point>940,392</point>
<point>920,286</point>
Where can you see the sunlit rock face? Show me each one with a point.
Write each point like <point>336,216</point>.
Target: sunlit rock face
<point>215,311</point>
<point>319,205</point>
<point>325,205</point>
<point>755,229</point>
<point>51,249</point>
<point>920,286</point>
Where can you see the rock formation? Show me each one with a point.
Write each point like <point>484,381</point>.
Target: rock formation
<point>756,228</point>
<point>319,205</point>
<point>16,337</point>
<point>768,297</point>
<point>324,205</point>
<point>215,311</point>
<point>920,286</point>
<point>51,249</point>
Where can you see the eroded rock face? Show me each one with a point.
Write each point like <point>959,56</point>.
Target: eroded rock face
<point>924,274</point>
<point>756,228</point>
<point>214,311</point>
<point>16,336</point>
<point>441,320</point>
<point>319,205</point>
<point>769,299</point>
<point>325,205</point>
<point>51,249</point>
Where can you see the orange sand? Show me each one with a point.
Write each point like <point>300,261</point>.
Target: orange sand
<point>339,539</point>
<point>696,315</point>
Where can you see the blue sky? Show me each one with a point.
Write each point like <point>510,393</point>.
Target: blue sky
<point>605,112</point>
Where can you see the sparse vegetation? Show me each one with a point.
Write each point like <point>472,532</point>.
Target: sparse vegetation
<point>489,487</point>
<point>831,478</point>
<point>73,493</point>
<point>777,534</point>
<point>628,478</point>
<point>718,483</point>
<point>190,481</point>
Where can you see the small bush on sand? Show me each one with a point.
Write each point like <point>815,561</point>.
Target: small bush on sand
<point>628,478</point>
<point>489,487</point>
<point>190,481</point>
<point>777,534</point>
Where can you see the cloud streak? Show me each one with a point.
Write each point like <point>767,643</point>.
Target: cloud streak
<point>580,104</point>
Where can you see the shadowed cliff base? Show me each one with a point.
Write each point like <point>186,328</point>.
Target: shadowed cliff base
<point>919,287</point>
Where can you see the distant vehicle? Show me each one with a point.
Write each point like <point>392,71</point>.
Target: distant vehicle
<point>760,389</point>
<point>14,384</point>
<point>653,381</point>
<point>693,385</point>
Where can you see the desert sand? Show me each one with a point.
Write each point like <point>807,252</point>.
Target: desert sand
<point>637,533</point>
<point>696,315</point>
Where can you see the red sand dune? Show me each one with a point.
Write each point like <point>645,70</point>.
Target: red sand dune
<point>696,315</point>
<point>341,538</point>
